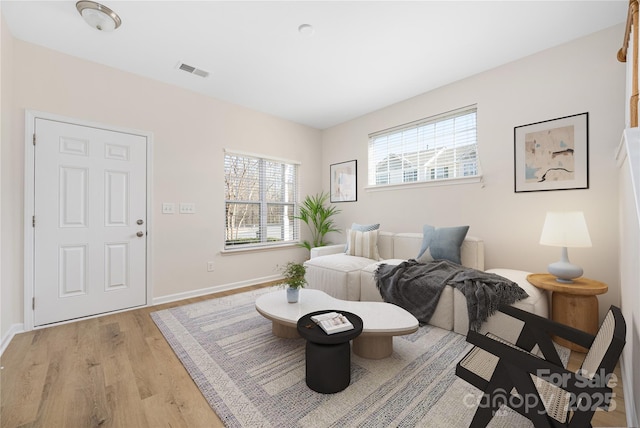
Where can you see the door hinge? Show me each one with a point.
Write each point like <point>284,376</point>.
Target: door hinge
<point>33,303</point>
<point>33,221</point>
<point>34,139</point>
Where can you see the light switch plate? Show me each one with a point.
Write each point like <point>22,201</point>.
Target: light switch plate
<point>168,208</point>
<point>187,208</point>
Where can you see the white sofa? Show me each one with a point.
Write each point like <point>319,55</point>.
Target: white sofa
<point>352,278</point>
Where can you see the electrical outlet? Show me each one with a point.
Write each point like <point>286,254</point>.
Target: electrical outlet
<point>210,267</point>
<point>168,208</point>
<point>187,208</point>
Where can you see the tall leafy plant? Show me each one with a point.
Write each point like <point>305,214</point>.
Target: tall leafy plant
<point>315,212</point>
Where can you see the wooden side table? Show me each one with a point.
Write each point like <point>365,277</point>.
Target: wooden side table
<point>575,304</point>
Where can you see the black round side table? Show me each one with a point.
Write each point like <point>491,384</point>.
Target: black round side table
<point>328,356</point>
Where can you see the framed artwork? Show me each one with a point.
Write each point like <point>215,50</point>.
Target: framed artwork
<point>552,155</point>
<point>344,181</point>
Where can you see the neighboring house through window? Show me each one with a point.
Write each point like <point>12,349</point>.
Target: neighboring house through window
<point>260,201</point>
<point>432,149</point>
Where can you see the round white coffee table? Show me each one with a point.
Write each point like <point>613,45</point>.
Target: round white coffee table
<point>381,321</point>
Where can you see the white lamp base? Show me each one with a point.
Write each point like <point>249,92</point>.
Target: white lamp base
<point>563,270</point>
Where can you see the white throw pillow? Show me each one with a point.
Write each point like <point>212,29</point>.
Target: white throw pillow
<point>361,228</point>
<point>363,244</point>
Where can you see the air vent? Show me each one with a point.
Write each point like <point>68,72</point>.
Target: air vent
<point>192,70</point>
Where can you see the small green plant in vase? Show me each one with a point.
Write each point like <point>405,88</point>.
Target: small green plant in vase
<point>294,279</point>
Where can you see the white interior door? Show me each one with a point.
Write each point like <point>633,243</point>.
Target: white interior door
<point>90,221</point>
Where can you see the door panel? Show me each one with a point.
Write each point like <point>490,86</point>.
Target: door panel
<point>116,265</point>
<point>116,201</point>
<point>72,270</point>
<point>90,191</point>
<point>73,197</point>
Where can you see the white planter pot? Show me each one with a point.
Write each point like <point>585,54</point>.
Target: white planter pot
<point>292,295</point>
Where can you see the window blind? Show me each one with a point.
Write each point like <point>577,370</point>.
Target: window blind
<point>260,201</point>
<point>431,149</point>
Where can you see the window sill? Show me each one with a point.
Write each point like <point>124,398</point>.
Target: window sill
<point>419,184</point>
<point>256,249</point>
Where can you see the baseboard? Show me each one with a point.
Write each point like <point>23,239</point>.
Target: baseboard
<point>19,328</point>
<point>629,399</point>
<point>6,339</point>
<point>210,290</point>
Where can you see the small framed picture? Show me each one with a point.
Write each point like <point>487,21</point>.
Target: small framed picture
<point>552,155</point>
<point>344,184</point>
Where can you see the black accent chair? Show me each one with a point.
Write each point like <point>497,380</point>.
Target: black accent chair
<point>538,386</point>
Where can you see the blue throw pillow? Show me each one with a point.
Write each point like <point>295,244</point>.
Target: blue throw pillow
<point>365,227</point>
<point>440,243</point>
<point>361,228</point>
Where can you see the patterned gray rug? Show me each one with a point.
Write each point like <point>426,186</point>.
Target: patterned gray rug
<point>253,379</point>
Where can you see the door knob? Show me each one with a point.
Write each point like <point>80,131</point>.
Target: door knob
<point>140,234</point>
<point>140,221</point>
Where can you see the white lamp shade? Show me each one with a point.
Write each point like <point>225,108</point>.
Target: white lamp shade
<point>565,229</point>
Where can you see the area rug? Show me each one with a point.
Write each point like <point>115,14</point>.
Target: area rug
<point>254,379</point>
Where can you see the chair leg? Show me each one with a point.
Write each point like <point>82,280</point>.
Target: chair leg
<point>494,396</point>
<point>581,419</point>
<point>530,403</point>
<point>485,411</point>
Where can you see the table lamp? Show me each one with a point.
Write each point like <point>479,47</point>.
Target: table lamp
<point>565,229</point>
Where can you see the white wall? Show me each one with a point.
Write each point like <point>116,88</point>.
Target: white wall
<point>10,219</point>
<point>581,76</point>
<point>629,180</point>
<point>190,132</point>
<point>3,128</point>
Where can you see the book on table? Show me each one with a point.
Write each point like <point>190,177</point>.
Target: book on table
<point>332,322</point>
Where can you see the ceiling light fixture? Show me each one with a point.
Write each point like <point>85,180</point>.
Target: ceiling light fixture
<point>98,16</point>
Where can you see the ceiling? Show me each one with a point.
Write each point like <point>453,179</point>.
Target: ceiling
<point>362,55</point>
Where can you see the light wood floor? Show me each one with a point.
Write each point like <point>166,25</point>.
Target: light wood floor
<point>616,416</point>
<point>118,371</point>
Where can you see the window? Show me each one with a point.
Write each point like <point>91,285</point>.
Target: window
<point>260,201</point>
<point>440,173</point>
<point>432,149</point>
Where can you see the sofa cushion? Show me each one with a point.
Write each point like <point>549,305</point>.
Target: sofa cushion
<point>441,243</point>
<point>368,289</point>
<point>338,275</point>
<point>363,244</point>
<point>442,316</point>
<point>500,324</point>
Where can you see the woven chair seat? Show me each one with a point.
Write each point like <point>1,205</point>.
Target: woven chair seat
<point>484,363</point>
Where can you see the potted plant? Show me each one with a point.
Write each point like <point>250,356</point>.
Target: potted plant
<point>293,274</point>
<point>318,217</point>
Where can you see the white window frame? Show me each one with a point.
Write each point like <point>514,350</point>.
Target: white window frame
<point>407,149</point>
<point>262,240</point>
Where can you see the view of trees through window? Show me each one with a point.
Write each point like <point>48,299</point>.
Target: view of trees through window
<point>431,149</point>
<point>260,201</point>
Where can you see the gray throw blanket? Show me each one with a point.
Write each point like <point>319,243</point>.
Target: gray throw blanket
<point>416,287</point>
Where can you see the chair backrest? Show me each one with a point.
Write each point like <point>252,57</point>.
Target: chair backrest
<point>607,346</point>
